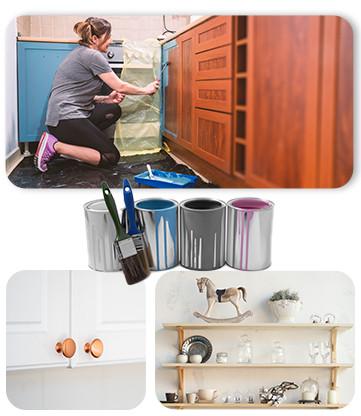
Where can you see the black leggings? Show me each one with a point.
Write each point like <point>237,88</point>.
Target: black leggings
<point>89,132</point>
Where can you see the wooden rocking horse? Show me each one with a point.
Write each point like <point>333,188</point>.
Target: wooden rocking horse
<point>234,295</point>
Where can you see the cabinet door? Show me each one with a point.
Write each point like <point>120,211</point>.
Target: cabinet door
<point>105,307</point>
<point>336,135</point>
<point>283,91</point>
<point>37,317</point>
<point>214,64</point>
<point>186,91</point>
<point>37,64</point>
<point>171,88</point>
<point>214,95</point>
<point>213,138</point>
<point>213,33</point>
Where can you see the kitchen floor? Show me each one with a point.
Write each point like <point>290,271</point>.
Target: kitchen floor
<point>66,173</point>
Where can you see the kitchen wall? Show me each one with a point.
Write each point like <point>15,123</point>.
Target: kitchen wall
<point>11,124</point>
<point>177,297</point>
<point>124,27</point>
<point>104,387</point>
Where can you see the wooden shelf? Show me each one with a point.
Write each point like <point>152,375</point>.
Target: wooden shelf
<point>257,325</point>
<point>257,365</point>
<point>241,107</point>
<point>241,75</point>
<point>241,41</point>
<point>240,140</point>
<point>251,406</point>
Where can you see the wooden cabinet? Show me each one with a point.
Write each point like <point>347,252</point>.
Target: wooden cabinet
<point>275,91</point>
<point>214,95</point>
<point>213,33</point>
<point>213,138</point>
<point>214,64</point>
<point>44,308</point>
<point>282,148</point>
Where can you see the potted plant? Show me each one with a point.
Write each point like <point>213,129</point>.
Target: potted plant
<point>285,305</point>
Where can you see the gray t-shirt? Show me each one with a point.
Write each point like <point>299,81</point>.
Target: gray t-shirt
<point>75,84</point>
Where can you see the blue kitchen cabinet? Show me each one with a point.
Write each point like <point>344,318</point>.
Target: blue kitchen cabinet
<point>37,64</point>
<point>170,89</point>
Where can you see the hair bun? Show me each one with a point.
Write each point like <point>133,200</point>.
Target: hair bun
<point>81,28</point>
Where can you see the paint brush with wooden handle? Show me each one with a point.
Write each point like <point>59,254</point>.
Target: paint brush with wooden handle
<point>133,268</point>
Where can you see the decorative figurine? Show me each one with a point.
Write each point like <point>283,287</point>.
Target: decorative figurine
<point>275,395</point>
<point>233,295</point>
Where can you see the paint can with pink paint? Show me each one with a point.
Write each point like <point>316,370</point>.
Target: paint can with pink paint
<point>249,233</point>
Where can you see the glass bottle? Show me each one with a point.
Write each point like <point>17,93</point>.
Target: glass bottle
<point>245,350</point>
<point>278,353</point>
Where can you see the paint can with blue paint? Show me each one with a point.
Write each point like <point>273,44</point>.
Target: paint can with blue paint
<point>158,218</point>
<point>249,233</point>
<point>202,233</point>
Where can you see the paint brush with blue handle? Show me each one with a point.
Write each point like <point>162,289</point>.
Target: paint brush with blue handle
<point>133,266</point>
<point>139,239</point>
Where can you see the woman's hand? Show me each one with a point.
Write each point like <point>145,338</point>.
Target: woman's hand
<point>152,88</point>
<point>114,97</point>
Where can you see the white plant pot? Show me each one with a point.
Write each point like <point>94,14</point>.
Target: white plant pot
<point>285,311</point>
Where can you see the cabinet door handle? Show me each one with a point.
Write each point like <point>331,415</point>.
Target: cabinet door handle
<point>94,348</point>
<point>67,347</point>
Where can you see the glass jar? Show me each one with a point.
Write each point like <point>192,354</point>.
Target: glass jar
<point>245,350</point>
<point>309,390</point>
<point>222,357</point>
<point>278,353</point>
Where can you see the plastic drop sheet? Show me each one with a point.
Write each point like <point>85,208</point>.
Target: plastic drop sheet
<point>138,129</point>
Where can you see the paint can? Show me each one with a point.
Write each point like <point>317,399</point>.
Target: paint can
<point>158,218</point>
<point>249,232</point>
<point>100,233</point>
<point>202,233</point>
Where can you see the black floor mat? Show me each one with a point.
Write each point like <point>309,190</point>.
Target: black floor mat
<point>66,173</point>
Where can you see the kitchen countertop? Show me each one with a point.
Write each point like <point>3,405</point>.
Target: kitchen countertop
<point>37,39</point>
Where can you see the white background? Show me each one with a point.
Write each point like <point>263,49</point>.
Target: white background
<point>313,229</point>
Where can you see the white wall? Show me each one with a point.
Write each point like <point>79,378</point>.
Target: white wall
<point>11,127</point>
<point>102,387</point>
<point>177,297</point>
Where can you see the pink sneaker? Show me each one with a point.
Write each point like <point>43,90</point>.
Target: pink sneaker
<point>45,151</point>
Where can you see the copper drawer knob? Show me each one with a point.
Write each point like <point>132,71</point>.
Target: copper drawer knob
<point>67,347</point>
<point>94,348</point>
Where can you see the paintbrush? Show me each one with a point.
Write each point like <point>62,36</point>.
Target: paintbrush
<point>139,239</point>
<point>133,268</point>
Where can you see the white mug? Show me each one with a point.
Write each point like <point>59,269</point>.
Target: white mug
<point>192,397</point>
<point>195,358</point>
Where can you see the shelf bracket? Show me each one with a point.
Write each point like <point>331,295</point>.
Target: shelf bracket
<point>181,385</point>
<point>180,331</point>
<point>333,342</point>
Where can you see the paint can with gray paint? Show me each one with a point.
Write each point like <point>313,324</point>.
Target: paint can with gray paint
<point>158,219</point>
<point>202,233</point>
<point>100,233</point>
<point>249,232</point>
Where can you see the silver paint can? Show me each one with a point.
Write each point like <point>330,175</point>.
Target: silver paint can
<point>202,233</point>
<point>100,233</point>
<point>158,219</point>
<point>249,232</point>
